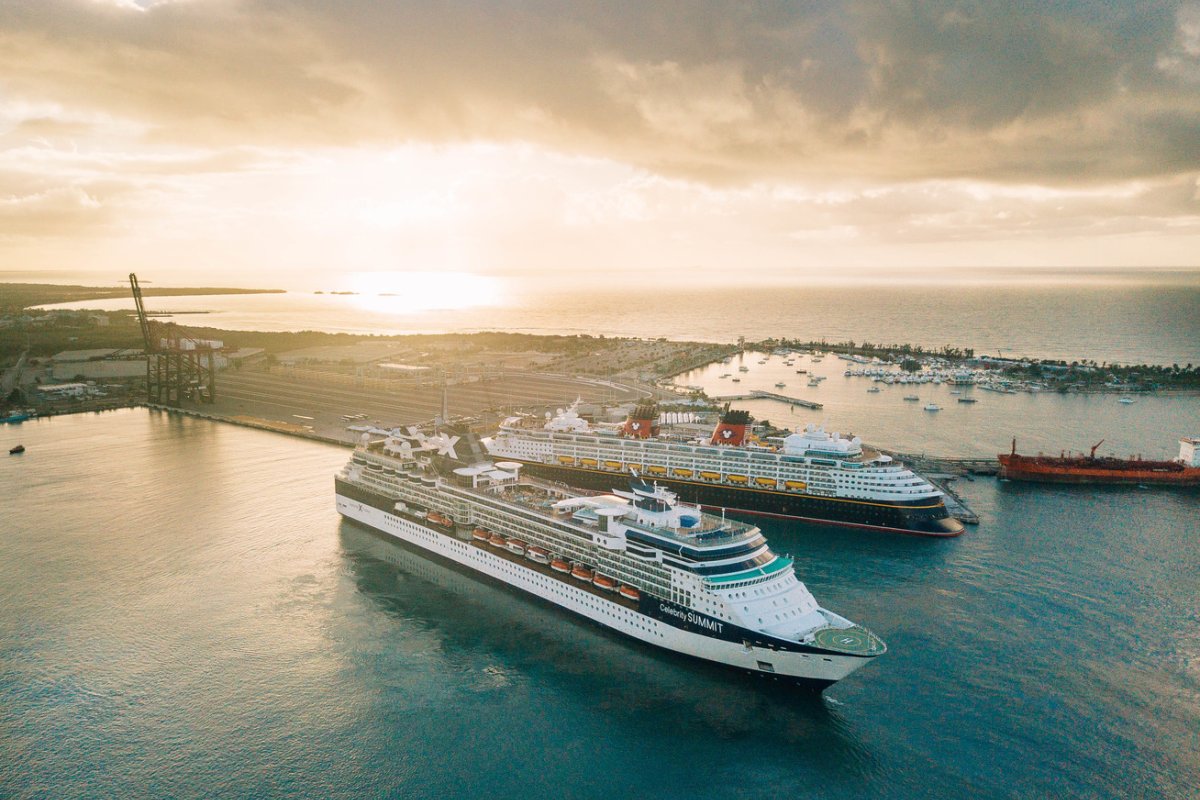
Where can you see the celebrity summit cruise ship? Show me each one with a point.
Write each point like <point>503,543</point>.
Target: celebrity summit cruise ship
<point>634,560</point>
<point>809,475</point>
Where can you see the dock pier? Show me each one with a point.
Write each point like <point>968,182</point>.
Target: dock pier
<point>759,394</point>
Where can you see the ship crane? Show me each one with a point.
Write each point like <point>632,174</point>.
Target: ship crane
<point>1095,447</point>
<point>178,367</point>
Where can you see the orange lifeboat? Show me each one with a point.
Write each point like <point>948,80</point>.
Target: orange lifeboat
<point>497,540</point>
<point>604,582</point>
<point>558,565</point>
<point>629,593</point>
<point>582,573</point>
<point>480,534</point>
<point>516,546</point>
<point>537,554</point>
<point>438,519</point>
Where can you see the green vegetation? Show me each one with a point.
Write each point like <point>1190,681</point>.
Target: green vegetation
<point>1088,375</point>
<point>868,349</point>
<point>84,330</point>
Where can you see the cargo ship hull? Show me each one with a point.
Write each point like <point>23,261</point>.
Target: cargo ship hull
<point>1097,471</point>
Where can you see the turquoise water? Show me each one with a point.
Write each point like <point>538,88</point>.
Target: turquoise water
<point>183,614</point>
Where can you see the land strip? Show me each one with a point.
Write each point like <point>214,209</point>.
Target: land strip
<point>16,297</point>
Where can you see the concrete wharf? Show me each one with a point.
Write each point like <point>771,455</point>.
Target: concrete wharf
<point>759,394</point>
<point>954,504</point>
<point>950,464</point>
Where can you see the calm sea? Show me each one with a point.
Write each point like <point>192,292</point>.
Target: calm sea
<point>183,614</point>
<point>1128,317</point>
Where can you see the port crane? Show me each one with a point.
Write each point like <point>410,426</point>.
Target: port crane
<point>178,367</point>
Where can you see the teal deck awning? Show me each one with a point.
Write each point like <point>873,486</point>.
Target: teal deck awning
<point>749,574</point>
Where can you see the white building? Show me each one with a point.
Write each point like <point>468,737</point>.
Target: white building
<point>60,390</point>
<point>1189,451</point>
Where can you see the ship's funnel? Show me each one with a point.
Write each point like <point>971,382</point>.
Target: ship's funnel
<point>642,422</point>
<point>732,428</point>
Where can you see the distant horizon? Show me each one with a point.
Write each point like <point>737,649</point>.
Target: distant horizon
<point>393,281</point>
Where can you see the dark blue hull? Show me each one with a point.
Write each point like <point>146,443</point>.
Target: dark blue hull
<point>918,518</point>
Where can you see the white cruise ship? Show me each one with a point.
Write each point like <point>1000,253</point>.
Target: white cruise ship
<point>636,561</point>
<point>809,475</point>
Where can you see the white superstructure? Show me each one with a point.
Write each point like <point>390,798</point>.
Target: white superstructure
<point>1189,451</point>
<point>807,462</point>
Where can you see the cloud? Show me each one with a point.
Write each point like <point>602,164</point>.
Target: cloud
<point>1075,91</point>
<point>677,134</point>
<point>49,213</point>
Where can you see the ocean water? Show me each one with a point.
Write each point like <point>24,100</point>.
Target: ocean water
<point>183,614</point>
<point>1141,318</point>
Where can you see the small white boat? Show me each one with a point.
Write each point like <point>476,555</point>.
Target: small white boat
<point>1126,400</point>
<point>932,407</point>
<point>873,390</point>
<point>780,385</point>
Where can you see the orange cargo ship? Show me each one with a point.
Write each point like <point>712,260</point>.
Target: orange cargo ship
<point>1182,471</point>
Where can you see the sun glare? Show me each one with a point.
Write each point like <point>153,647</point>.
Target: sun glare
<point>397,292</point>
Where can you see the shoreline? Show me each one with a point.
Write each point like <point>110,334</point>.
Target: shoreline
<point>258,423</point>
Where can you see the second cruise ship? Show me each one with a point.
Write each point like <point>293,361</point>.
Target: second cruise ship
<point>809,475</point>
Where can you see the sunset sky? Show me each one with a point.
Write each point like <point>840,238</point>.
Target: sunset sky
<point>266,142</point>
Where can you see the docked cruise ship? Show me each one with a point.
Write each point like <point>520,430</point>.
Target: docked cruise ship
<point>634,560</point>
<point>809,475</point>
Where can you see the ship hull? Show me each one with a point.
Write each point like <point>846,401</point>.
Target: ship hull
<point>1020,468</point>
<point>920,518</point>
<point>650,620</point>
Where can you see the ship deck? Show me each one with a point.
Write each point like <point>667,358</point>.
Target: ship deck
<point>854,640</point>
<point>540,496</point>
<point>546,570</point>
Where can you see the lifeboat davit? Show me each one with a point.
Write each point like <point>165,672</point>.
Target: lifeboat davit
<point>558,565</point>
<point>604,582</point>
<point>480,534</point>
<point>538,554</point>
<point>582,573</point>
<point>629,593</point>
<point>497,540</point>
